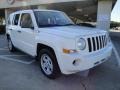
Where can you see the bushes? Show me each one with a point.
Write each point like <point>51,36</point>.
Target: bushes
<point>114,24</point>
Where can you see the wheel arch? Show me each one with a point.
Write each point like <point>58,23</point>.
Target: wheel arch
<point>51,48</point>
<point>42,46</point>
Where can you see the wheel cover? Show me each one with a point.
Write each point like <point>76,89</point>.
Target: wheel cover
<point>46,64</point>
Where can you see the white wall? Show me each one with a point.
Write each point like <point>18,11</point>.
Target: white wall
<point>42,7</point>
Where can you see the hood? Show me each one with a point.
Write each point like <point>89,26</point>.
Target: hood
<point>72,31</point>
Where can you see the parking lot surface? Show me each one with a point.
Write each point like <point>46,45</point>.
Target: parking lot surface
<point>19,71</point>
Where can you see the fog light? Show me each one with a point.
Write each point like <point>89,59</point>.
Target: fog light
<point>76,62</point>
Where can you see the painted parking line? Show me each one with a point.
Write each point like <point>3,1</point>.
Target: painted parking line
<point>9,58</point>
<point>16,60</point>
<point>4,49</point>
<point>14,55</point>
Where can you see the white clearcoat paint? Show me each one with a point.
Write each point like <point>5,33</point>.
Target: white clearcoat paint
<point>59,38</point>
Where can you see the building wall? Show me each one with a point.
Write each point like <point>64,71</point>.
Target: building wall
<point>18,3</point>
<point>103,14</point>
<point>13,9</point>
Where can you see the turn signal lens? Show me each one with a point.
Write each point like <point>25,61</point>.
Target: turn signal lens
<point>68,51</point>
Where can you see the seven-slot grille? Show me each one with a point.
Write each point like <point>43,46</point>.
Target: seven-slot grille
<point>97,43</point>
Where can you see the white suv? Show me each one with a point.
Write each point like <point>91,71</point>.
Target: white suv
<point>59,44</point>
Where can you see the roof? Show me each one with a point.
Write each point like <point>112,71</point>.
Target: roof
<point>29,10</point>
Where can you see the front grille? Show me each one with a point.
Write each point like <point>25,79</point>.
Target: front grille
<point>96,43</point>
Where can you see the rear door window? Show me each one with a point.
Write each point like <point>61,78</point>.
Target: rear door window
<point>16,19</point>
<point>9,22</point>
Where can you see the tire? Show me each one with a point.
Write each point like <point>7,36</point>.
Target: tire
<point>48,64</point>
<point>10,45</point>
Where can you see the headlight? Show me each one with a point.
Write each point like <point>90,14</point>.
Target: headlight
<point>81,44</point>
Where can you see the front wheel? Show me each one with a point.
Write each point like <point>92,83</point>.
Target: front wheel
<point>48,64</point>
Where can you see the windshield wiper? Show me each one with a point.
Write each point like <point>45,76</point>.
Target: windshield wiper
<point>48,25</point>
<point>55,25</point>
<point>70,24</point>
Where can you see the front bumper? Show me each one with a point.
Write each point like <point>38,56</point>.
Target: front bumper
<point>83,62</point>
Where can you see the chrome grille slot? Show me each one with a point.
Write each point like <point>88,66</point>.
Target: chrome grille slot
<point>96,43</point>
<point>94,46</point>
<point>89,45</point>
<point>104,41</point>
<point>100,42</point>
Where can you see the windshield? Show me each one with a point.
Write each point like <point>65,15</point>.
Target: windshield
<point>52,18</point>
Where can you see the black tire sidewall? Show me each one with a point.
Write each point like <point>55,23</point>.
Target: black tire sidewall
<point>13,48</point>
<point>56,70</point>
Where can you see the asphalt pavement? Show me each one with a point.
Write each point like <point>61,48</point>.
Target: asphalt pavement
<point>19,71</point>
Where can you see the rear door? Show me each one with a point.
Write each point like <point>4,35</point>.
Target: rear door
<point>14,28</point>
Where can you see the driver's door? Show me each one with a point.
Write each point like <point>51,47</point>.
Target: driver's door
<point>27,34</point>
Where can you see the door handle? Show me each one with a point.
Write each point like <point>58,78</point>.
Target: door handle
<point>11,29</point>
<point>19,31</point>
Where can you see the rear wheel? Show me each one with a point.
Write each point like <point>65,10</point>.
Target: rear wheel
<point>48,64</point>
<point>10,45</point>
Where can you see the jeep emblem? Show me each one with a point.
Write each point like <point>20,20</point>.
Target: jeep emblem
<point>10,1</point>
